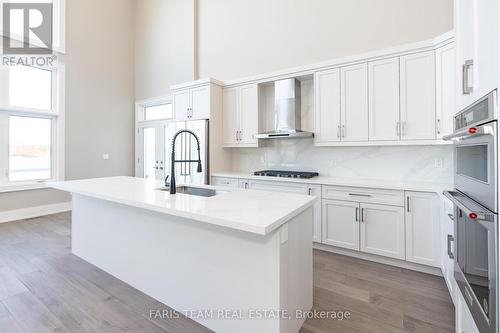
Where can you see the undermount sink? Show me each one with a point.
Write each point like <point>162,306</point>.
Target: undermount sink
<point>201,192</point>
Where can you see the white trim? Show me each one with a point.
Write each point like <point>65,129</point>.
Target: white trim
<point>31,212</point>
<point>379,259</point>
<point>23,186</point>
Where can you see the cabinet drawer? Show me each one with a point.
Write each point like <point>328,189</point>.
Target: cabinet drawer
<point>277,186</point>
<point>225,182</point>
<point>368,195</point>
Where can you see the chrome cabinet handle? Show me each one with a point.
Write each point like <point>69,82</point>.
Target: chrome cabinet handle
<point>362,215</point>
<point>467,74</point>
<point>438,126</point>
<point>360,195</point>
<point>398,131</point>
<point>338,131</point>
<point>408,204</point>
<point>343,131</point>
<point>309,191</point>
<point>450,252</point>
<point>451,216</point>
<point>357,214</point>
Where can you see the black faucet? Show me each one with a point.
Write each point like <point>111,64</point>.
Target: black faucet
<point>172,169</point>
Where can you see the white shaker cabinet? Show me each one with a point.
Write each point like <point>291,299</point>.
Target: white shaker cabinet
<point>316,191</point>
<point>445,89</point>
<point>240,116</point>
<point>448,246</point>
<point>382,230</point>
<point>327,106</point>
<point>354,103</point>
<point>476,33</point>
<point>341,223</point>
<point>422,228</point>
<point>418,91</point>
<point>383,100</point>
<point>192,103</point>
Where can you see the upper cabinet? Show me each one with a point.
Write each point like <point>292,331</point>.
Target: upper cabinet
<point>354,104</point>
<point>445,89</point>
<point>193,102</point>
<point>240,116</point>
<point>383,98</point>
<point>477,49</point>
<point>327,107</point>
<point>418,96</point>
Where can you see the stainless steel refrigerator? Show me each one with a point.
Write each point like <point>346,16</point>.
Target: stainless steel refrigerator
<point>186,149</point>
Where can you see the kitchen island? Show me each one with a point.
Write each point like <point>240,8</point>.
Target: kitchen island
<point>239,261</point>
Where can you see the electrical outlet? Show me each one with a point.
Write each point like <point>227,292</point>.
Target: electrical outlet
<point>438,163</point>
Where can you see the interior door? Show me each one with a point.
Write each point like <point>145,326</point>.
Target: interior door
<point>418,96</point>
<point>327,113</point>
<point>383,99</point>
<point>354,99</point>
<point>153,156</point>
<point>341,223</point>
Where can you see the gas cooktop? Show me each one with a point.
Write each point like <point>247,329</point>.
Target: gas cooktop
<point>286,174</point>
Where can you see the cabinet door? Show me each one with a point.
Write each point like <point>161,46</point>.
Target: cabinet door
<point>182,105</point>
<point>383,99</point>
<point>418,96</point>
<point>422,228</point>
<point>448,246</point>
<point>354,102</point>
<point>327,107</point>
<point>382,230</point>
<point>249,114</point>
<point>316,191</point>
<point>200,103</point>
<point>445,89</point>
<point>341,223</point>
<point>230,116</point>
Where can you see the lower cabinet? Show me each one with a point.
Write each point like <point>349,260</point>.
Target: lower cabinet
<point>341,224</point>
<point>448,246</point>
<point>422,228</point>
<point>314,190</point>
<point>382,230</point>
<point>370,228</point>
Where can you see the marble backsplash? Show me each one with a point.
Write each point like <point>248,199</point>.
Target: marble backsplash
<point>396,163</point>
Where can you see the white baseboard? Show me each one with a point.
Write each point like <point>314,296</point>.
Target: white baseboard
<point>379,259</point>
<point>31,212</point>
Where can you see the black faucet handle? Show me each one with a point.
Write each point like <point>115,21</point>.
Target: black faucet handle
<point>166,181</point>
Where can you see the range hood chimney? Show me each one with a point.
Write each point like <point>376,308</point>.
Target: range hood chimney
<point>287,115</point>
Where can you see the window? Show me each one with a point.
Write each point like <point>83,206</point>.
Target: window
<point>162,111</point>
<point>31,107</point>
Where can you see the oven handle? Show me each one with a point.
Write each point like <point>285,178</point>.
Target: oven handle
<point>478,215</point>
<point>470,132</point>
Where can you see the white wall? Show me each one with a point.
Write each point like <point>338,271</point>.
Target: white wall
<point>165,45</point>
<point>239,38</point>
<point>99,96</point>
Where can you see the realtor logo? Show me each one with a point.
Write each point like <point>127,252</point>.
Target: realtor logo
<point>27,28</point>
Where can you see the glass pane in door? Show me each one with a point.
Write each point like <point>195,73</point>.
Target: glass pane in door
<point>149,150</point>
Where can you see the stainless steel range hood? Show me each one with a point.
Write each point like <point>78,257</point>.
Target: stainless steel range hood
<point>287,115</point>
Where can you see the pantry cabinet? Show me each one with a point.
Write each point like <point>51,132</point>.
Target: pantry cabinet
<point>476,33</point>
<point>382,230</point>
<point>192,103</point>
<point>418,91</point>
<point>383,100</point>
<point>422,228</point>
<point>240,116</point>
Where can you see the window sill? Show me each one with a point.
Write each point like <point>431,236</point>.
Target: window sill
<point>24,186</point>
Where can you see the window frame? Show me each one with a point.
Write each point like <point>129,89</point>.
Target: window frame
<point>57,116</point>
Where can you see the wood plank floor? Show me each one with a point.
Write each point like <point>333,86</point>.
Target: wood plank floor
<point>44,288</point>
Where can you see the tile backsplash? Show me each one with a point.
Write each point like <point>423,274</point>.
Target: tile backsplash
<point>403,163</point>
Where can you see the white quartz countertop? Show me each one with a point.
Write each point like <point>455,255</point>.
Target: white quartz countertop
<point>258,212</point>
<point>353,182</point>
